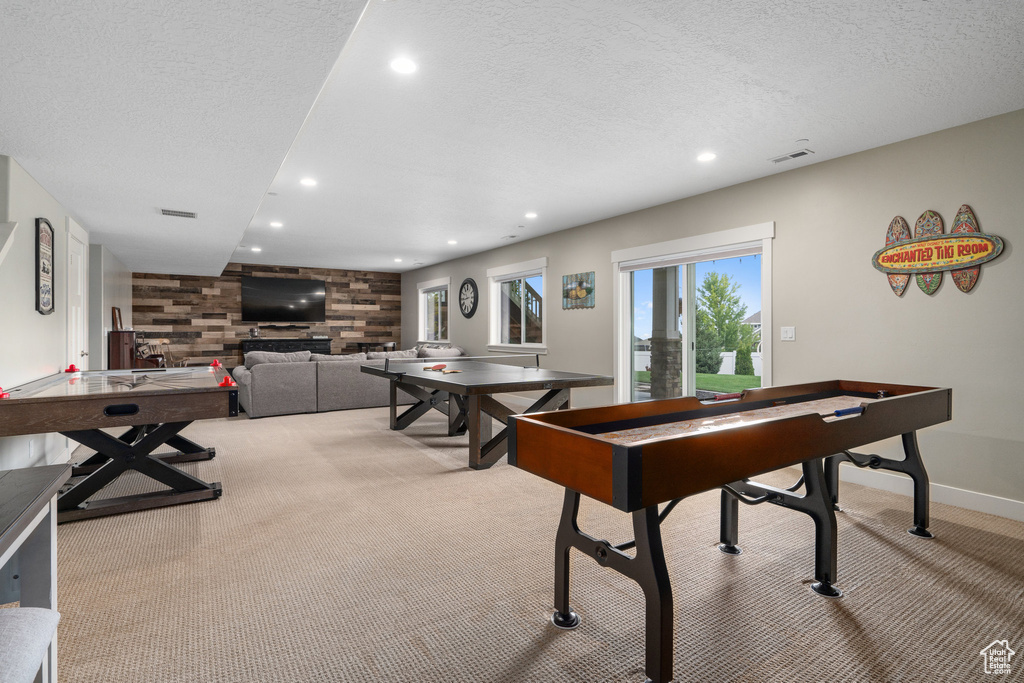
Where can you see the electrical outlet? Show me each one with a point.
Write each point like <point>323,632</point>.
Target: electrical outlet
<point>788,333</point>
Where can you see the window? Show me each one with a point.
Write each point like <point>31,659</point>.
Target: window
<point>516,296</point>
<point>689,314</point>
<point>434,310</point>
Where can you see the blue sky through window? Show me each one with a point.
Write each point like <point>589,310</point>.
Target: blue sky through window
<point>745,270</point>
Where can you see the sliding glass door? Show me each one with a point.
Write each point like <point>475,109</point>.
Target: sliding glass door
<point>695,327</point>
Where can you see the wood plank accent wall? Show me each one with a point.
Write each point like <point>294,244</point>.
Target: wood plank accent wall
<point>202,316</point>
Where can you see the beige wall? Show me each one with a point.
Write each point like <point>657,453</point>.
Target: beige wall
<point>31,345</point>
<point>829,220</point>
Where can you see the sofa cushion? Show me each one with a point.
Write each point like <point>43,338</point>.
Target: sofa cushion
<point>380,355</point>
<point>318,357</point>
<point>258,357</point>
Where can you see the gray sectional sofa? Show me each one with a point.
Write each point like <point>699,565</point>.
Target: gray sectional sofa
<point>302,382</point>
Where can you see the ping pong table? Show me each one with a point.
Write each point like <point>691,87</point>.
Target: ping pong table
<point>464,388</point>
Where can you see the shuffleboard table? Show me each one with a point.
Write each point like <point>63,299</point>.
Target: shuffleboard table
<point>637,456</point>
<point>155,404</point>
<point>464,388</point>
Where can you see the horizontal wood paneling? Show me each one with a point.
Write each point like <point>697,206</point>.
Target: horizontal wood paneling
<point>202,316</point>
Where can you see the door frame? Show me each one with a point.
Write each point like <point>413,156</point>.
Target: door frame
<point>77,232</point>
<point>715,245</point>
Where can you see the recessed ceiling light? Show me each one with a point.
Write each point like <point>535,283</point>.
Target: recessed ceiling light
<point>257,249</point>
<point>277,224</point>
<point>398,260</point>
<point>707,156</point>
<point>403,65</point>
<point>453,242</point>
<point>308,182</point>
<point>532,214</point>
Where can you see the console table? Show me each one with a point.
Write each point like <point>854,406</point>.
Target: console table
<point>28,542</point>
<point>286,345</point>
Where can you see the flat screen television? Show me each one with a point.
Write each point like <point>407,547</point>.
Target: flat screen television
<point>283,300</point>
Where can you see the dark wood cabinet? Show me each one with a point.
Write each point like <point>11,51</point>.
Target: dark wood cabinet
<point>286,345</point>
<point>121,350</point>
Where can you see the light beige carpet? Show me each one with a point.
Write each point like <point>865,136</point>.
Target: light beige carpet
<point>342,551</point>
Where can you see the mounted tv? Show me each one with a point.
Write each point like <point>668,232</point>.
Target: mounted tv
<point>283,300</point>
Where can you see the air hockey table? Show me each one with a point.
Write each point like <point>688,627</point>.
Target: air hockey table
<point>155,404</point>
<point>637,456</point>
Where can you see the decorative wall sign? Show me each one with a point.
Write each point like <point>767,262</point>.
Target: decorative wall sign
<point>930,252</point>
<point>898,231</point>
<point>928,224</point>
<point>965,223</point>
<point>44,266</point>
<point>578,290</point>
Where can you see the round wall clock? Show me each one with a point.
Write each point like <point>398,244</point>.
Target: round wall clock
<point>469,297</point>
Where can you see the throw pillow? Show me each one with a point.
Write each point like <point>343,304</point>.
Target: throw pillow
<point>317,357</point>
<point>256,357</point>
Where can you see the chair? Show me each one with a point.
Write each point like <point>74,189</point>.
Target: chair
<point>145,355</point>
<point>26,633</point>
<point>171,360</point>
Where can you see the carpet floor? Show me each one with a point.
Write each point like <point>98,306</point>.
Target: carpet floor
<point>343,551</point>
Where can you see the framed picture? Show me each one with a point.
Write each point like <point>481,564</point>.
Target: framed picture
<point>115,319</point>
<point>44,266</point>
<point>578,290</point>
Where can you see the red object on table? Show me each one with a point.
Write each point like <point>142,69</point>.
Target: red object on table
<point>72,368</point>
<point>215,364</point>
<point>227,382</point>
<point>4,394</point>
<point>439,366</point>
<point>726,397</point>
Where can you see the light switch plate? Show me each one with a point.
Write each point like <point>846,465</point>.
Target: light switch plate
<point>788,333</point>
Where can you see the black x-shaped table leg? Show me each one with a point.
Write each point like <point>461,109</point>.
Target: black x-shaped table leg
<point>186,451</point>
<point>132,450</point>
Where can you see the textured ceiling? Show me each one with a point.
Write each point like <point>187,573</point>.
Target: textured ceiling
<point>578,110</point>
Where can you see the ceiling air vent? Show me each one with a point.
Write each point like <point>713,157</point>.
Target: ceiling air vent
<point>178,214</point>
<point>791,155</point>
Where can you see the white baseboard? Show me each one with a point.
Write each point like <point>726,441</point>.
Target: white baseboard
<point>940,493</point>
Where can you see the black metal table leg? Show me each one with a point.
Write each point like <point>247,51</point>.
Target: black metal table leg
<point>730,525</point>
<point>648,569</point>
<point>568,530</point>
<point>815,502</point>
<point>912,465</point>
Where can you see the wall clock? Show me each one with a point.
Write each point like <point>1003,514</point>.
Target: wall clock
<point>469,297</point>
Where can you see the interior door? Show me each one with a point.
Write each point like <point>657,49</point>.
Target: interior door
<point>78,297</point>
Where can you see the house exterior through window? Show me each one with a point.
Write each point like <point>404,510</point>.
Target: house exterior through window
<point>516,304</point>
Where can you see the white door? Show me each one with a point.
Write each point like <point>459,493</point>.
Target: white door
<point>78,297</point>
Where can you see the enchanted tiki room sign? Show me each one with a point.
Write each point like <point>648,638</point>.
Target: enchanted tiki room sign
<point>930,252</point>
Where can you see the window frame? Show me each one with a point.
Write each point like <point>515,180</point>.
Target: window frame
<point>516,271</point>
<point>429,287</point>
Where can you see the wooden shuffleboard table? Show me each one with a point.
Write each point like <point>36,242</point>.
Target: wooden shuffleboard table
<point>638,456</point>
<point>464,389</point>
<point>155,405</point>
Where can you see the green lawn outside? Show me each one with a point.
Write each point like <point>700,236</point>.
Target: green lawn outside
<point>727,384</point>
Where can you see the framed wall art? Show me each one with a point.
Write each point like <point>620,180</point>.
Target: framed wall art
<point>44,266</point>
<point>578,290</point>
